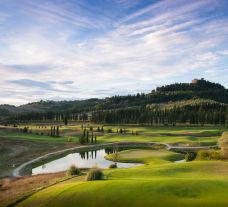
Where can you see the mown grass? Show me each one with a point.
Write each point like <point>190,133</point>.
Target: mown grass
<point>175,140</point>
<point>160,182</point>
<point>146,156</point>
<point>34,137</point>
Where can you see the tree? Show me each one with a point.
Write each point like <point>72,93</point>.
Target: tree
<point>87,136</point>
<point>54,132</point>
<point>82,138</point>
<point>95,139</point>
<point>102,129</point>
<point>115,153</point>
<point>65,120</point>
<point>51,131</point>
<point>57,131</point>
<point>92,138</point>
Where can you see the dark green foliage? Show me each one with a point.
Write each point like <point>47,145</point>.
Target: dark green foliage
<point>65,120</point>
<point>87,136</point>
<point>102,129</point>
<point>82,139</point>
<point>113,165</point>
<point>54,132</point>
<point>190,156</point>
<point>92,138</point>
<point>197,103</point>
<point>94,174</point>
<point>57,131</point>
<point>73,170</point>
<point>25,129</point>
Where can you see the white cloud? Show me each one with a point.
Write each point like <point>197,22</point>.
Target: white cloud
<point>137,51</point>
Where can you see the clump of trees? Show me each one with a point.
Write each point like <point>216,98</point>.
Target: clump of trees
<point>95,174</point>
<point>88,137</point>
<point>54,131</point>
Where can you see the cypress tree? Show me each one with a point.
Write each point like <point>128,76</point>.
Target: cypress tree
<point>92,138</point>
<point>51,131</point>
<point>87,136</point>
<point>54,132</point>
<point>57,131</point>
<point>65,120</point>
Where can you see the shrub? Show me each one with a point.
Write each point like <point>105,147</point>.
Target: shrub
<point>223,142</point>
<point>94,174</point>
<point>73,170</point>
<point>190,156</point>
<point>113,165</point>
<point>209,155</point>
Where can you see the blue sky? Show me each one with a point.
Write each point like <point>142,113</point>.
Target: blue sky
<point>76,49</point>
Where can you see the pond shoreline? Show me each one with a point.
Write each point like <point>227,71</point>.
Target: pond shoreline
<point>19,171</point>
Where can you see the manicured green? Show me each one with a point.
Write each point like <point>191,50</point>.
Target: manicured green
<point>189,140</point>
<point>160,182</point>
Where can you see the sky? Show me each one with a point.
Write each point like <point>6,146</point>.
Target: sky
<point>78,49</point>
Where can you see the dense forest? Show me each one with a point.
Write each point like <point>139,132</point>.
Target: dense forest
<point>199,102</point>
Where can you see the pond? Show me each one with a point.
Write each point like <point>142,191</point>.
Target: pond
<point>85,159</point>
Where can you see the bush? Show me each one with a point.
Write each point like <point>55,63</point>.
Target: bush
<point>94,174</point>
<point>190,156</point>
<point>223,143</point>
<point>113,165</point>
<point>209,155</point>
<point>73,170</point>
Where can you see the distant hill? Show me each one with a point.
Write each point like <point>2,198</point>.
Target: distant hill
<point>198,94</point>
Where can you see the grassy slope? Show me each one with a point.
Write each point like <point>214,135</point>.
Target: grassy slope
<point>160,184</point>
<point>163,139</point>
<point>179,135</point>
<point>34,137</point>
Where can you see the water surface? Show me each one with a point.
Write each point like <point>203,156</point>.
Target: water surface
<point>80,159</point>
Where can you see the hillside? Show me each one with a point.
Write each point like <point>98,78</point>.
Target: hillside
<point>197,95</point>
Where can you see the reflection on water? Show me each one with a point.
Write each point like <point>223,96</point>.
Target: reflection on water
<point>82,160</point>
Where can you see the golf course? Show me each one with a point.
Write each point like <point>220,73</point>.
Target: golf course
<point>165,178</point>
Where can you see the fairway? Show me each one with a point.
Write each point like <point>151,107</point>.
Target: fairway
<point>139,187</point>
<point>160,182</point>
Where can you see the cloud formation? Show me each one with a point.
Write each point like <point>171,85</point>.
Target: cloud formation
<point>81,49</point>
